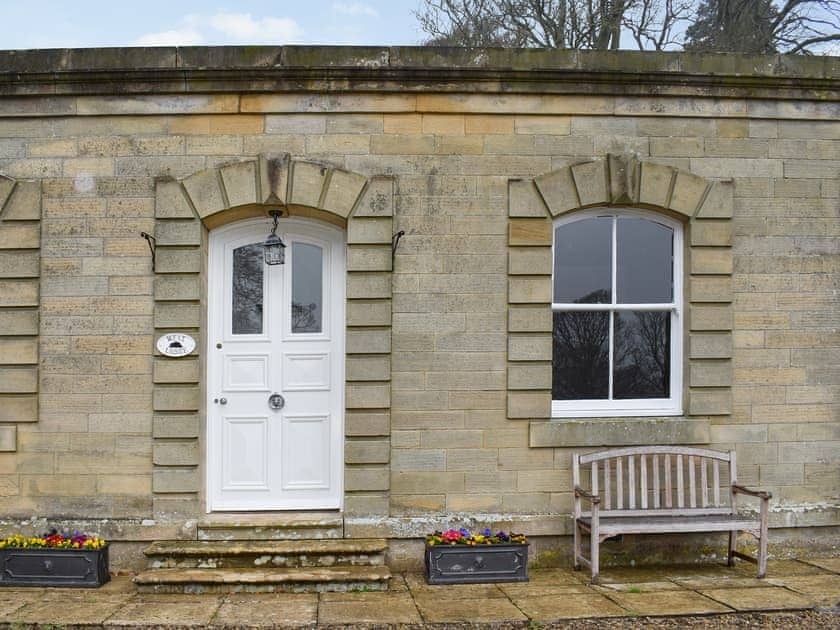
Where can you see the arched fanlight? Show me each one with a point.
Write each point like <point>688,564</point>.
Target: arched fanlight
<point>274,249</point>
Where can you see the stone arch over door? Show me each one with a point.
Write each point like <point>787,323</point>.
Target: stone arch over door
<point>184,211</point>
<point>706,208</point>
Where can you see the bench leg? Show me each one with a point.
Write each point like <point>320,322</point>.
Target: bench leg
<point>762,542</point>
<point>577,549</point>
<point>594,544</point>
<point>733,545</point>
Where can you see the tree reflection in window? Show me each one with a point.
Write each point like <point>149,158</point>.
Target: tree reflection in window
<point>247,302</point>
<point>307,288</point>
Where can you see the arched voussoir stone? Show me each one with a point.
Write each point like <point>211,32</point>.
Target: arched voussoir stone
<point>269,180</point>
<point>622,179</point>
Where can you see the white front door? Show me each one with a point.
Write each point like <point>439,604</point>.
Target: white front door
<point>275,368</point>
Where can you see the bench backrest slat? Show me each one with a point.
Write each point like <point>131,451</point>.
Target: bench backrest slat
<point>637,480</point>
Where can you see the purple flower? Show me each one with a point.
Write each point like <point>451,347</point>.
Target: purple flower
<point>486,532</point>
<point>465,532</point>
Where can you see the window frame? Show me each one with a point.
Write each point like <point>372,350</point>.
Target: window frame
<point>671,406</point>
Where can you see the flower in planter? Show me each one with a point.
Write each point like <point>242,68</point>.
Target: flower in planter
<point>54,540</point>
<point>485,536</point>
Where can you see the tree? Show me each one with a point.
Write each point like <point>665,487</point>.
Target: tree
<point>762,26</point>
<point>799,26</point>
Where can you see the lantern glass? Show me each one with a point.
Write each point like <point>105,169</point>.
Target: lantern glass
<point>274,250</point>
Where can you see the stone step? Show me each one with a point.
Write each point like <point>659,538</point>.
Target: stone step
<point>265,553</point>
<point>290,580</point>
<point>272,526</point>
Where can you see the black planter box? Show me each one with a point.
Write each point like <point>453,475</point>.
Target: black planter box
<point>465,564</point>
<point>87,568</point>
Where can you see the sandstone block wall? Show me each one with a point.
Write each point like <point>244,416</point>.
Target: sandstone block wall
<point>448,380</point>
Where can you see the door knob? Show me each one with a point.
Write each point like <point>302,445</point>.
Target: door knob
<point>276,401</point>
<point>220,401</point>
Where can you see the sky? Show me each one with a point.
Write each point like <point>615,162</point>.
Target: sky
<point>91,23</point>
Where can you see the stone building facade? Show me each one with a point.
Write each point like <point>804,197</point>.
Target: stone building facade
<point>439,343</point>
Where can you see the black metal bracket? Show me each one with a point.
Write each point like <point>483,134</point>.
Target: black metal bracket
<point>395,241</point>
<point>152,241</point>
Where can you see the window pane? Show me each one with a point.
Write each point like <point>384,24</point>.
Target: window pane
<point>247,316</point>
<point>642,354</point>
<point>583,261</point>
<point>644,261</point>
<point>580,355</point>
<point>306,288</point>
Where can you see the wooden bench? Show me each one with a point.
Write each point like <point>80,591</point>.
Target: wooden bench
<point>643,490</point>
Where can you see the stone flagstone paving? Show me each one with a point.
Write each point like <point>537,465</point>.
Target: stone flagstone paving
<point>702,594</point>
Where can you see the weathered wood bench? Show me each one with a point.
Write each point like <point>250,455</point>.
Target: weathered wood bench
<point>643,490</point>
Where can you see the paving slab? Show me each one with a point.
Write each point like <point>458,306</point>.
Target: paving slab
<point>544,609</point>
<point>782,568</point>
<point>377,608</point>
<point>823,590</point>
<point>417,584</point>
<point>828,564</point>
<point>638,587</point>
<point>10,602</point>
<point>737,581</point>
<point>437,609</point>
<point>149,612</point>
<point>251,610</point>
<point>518,591</point>
<point>543,577</point>
<point>65,612</point>
<point>767,598</point>
<point>668,603</point>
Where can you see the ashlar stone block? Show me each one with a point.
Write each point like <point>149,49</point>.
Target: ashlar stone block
<point>205,191</point>
<point>529,318</point>
<point>178,232</point>
<point>591,182</point>
<point>655,184</point>
<point>177,287</point>
<point>8,438</point>
<point>524,199</point>
<point>18,322</point>
<point>343,192</point>
<point>529,289</point>
<point>711,261</point>
<point>19,293</point>
<point>710,373</point>
<point>529,404</point>
<point>176,398</point>
<point>18,350</point>
<point>369,258</point>
<point>14,264</point>
<point>688,193</point>
<point>171,200</point>
<point>714,233</point>
<point>24,203</point>
<point>368,285</point>
<point>368,368</point>
<point>708,317</point>
<point>529,261</point>
<point>529,347</point>
<point>274,178</point>
<point>308,180</point>
<point>368,312</point>
<point>172,453</point>
<point>177,260</point>
<point>377,199</point>
<point>711,289</point>
<point>18,408</point>
<point>624,178</point>
<point>368,396</point>
<point>369,231</point>
<point>173,425</point>
<point>559,191</point>
<point>710,345</point>
<point>719,202</point>
<point>529,376</point>
<point>19,235</point>
<point>710,402</point>
<point>175,480</point>
<point>18,380</point>
<point>240,182</point>
<point>529,232</point>
<point>6,186</point>
<point>177,315</point>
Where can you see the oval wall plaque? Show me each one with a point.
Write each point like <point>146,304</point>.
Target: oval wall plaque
<point>175,344</point>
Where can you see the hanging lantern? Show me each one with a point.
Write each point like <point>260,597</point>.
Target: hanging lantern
<point>274,249</point>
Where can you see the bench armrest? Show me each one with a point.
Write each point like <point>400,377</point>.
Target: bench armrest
<point>581,493</point>
<point>761,494</point>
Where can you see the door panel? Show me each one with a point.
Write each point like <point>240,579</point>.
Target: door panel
<point>275,330</point>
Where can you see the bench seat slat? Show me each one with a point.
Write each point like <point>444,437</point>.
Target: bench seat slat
<point>662,512</point>
<point>612,526</point>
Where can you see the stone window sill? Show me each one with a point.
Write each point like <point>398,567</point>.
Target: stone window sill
<point>567,432</point>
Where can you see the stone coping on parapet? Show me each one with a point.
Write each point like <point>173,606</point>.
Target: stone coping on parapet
<point>261,69</point>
